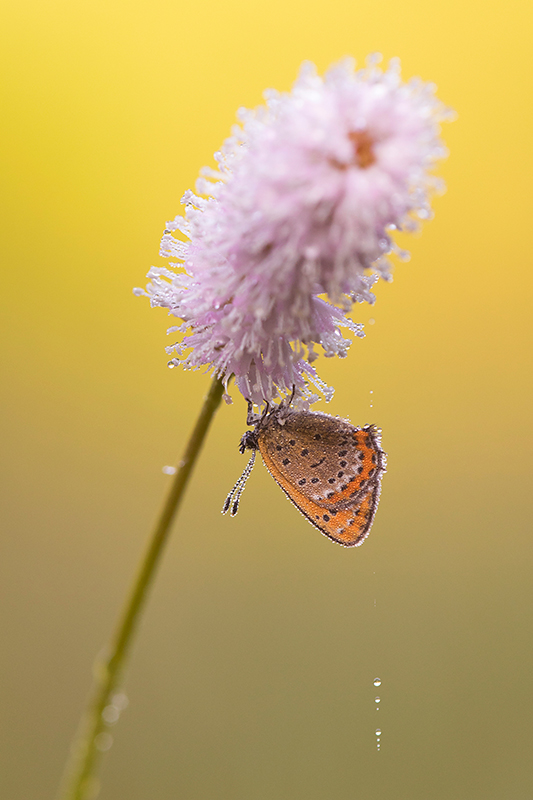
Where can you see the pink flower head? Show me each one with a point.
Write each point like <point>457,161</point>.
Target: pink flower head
<point>303,203</point>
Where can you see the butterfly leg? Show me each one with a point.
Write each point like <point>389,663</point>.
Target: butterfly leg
<point>251,418</point>
<point>292,394</point>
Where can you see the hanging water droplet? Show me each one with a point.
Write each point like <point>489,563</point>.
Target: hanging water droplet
<point>103,741</point>
<point>377,681</point>
<point>378,731</point>
<point>169,470</point>
<point>377,699</point>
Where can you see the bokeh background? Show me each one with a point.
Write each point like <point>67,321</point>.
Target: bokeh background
<point>252,675</point>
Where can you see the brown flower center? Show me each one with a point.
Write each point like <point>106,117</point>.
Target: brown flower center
<point>364,154</point>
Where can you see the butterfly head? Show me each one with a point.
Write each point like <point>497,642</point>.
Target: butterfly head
<point>249,441</point>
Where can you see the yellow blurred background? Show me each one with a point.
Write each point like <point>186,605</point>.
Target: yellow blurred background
<point>252,675</point>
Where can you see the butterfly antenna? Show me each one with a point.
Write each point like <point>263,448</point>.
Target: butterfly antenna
<point>235,495</point>
<point>245,475</point>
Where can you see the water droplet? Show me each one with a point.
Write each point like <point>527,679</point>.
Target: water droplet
<point>171,364</point>
<point>378,739</point>
<point>371,321</point>
<point>378,731</point>
<point>103,742</point>
<point>377,699</point>
<point>110,714</point>
<point>377,681</point>
<point>120,700</point>
<point>169,470</point>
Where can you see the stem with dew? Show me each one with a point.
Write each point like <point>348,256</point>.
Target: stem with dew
<point>79,781</point>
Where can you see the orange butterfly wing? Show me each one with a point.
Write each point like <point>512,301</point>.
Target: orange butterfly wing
<point>343,506</point>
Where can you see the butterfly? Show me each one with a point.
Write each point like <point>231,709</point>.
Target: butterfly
<point>330,469</point>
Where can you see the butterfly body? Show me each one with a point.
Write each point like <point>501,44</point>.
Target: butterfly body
<point>330,469</point>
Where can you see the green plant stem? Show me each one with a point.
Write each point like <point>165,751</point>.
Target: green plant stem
<point>79,780</point>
